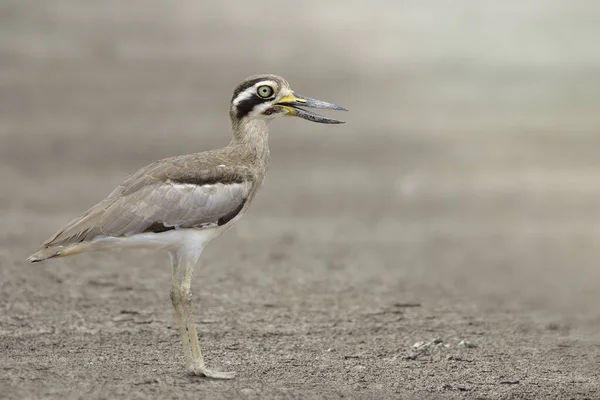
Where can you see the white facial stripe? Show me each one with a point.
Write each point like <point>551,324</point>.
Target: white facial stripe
<point>251,91</point>
<point>246,94</point>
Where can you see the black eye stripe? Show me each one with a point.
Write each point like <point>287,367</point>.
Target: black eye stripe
<point>248,95</point>
<point>245,106</point>
<point>245,86</point>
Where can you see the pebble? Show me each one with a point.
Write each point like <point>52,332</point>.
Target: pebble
<point>466,344</point>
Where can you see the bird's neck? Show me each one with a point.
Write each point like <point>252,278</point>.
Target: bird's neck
<point>251,139</point>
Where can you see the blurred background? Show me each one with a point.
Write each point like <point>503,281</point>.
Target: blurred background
<point>466,178</point>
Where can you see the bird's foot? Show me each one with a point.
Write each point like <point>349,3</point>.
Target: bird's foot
<point>198,369</point>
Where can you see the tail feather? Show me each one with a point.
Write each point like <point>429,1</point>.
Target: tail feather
<point>44,254</point>
<point>57,251</point>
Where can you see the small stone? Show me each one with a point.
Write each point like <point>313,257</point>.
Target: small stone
<point>466,344</point>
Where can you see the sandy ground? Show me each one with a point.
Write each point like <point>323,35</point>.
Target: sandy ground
<point>442,244</point>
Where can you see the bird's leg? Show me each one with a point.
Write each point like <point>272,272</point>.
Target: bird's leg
<point>185,294</point>
<point>178,307</point>
<point>197,366</point>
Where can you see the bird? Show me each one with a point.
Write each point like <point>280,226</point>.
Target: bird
<point>182,203</point>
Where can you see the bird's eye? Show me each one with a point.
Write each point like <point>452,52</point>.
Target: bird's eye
<point>264,91</point>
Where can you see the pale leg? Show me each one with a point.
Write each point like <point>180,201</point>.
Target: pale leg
<point>178,307</point>
<point>196,366</point>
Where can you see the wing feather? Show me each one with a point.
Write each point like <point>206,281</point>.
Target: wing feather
<point>173,205</point>
<point>192,191</point>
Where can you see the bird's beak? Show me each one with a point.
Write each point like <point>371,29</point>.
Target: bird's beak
<point>292,103</point>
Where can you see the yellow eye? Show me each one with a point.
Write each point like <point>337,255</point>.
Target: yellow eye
<point>264,91</point>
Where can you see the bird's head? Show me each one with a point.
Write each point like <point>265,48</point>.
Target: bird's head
<point>270,96</point>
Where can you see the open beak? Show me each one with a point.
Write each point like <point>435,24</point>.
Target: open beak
<point>292,103</point>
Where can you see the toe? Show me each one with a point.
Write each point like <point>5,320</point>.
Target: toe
<point>201,370</point>
<point>218,374</point>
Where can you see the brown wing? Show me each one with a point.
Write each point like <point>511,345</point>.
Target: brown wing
<point>181,192</point>
<point>173,205</point>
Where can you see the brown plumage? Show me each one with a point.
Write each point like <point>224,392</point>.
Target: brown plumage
<point>182,203</point>
<point>192,191</point>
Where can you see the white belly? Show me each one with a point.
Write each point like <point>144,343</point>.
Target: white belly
<point>174,240</point>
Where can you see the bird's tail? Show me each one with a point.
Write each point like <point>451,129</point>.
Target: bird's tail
<point>57,251</point>
<point>44,254</point>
